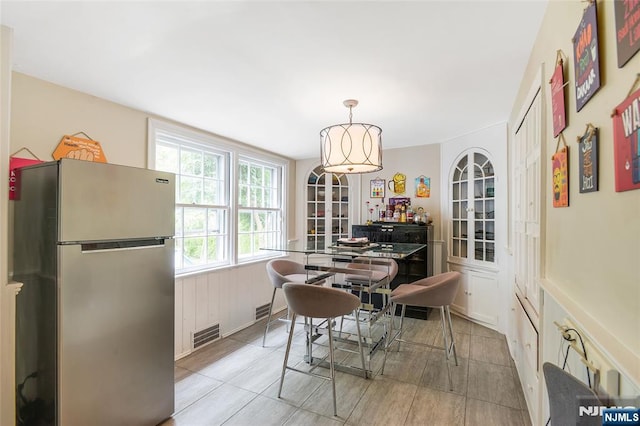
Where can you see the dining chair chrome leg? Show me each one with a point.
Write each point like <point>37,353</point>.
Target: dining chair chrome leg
<point>364,369</point>
<point>389,337</point>
<point>404,308</point>
<point>286,354</point>
<point>332,368</point>
<point>266,330</point>
<point>445,346</point>
<point>309,323</point>
<point>453,340</point>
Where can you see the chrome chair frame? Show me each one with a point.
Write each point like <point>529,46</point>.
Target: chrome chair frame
<point>330,321</point>
<point>442,298</point>
<point>291,271</point>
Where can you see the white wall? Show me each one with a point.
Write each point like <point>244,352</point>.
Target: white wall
<point>591,251</point>
<point>412,162</point>
<point>7,383</point>
<point>41,113</point>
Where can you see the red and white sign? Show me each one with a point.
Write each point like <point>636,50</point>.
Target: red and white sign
<point>14,177</point>
<point>626,143</point>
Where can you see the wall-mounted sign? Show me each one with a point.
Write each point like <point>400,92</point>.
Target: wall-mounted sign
<point>627,14</point>
<point>71,146</point>
<point>377,188</point>
<point>398,183</point>
<point>560,168</point>
<point>588,158</point>
<point>423,187</point>
<point>557,100</point>
<point>626,143</point>
<point>14,176</point>
<point>586,57</point>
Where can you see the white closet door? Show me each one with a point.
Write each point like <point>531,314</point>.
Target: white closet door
<point>527,176</point>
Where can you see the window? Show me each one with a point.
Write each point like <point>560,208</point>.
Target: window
<point>202,207</point>
<point>259,211</point>
<point>209,207</point>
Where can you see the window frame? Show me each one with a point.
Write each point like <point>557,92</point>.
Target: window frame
<point>279,170</point>
<point>235,152</point>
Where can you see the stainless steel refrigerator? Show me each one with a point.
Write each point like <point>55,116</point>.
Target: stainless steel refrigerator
<point>93,245</point>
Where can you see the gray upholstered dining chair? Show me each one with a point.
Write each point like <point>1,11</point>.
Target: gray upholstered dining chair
<point>281,271</point>
<point>566,395</point>
<point>438,291</point>
<point>326,303</point>
<point>383,271</point>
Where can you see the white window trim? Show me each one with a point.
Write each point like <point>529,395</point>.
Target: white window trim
<point>236,150</point>
<point>281,178</point>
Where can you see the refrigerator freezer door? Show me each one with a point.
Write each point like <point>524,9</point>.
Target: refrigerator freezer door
<point>116,335</point>
<point>110,202</point>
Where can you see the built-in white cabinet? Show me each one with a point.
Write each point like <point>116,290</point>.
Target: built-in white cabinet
<point>327,208</point>
<point>527,204</point>
<point>527,207</point>
<point>473,203</point>
<point>524,346</point>
<point>477,295</point>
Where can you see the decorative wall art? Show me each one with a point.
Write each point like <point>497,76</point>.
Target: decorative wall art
<point>588,159</point>
<point>557,97</point>
<point>14,177</point>
<point>585,56</point>
<point>423,187</point>
<point>71,146</point>
<point>398,184</point>
<point>626,142</point>
<point>560,169</point>
<point>377,188</point>
<point>627,15</point>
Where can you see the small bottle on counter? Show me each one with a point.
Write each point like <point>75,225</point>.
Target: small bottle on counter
<point>403,214</point>
<point>396,213</point>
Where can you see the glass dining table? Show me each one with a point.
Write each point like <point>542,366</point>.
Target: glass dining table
<point>334,264</point>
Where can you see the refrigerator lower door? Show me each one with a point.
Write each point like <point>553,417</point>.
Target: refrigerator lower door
<point>115,334</point>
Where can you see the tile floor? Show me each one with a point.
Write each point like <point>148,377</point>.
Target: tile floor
<point>234,381</point>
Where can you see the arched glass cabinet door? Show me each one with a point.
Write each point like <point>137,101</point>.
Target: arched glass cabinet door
<point>327,208</point>
<point>473,208</point>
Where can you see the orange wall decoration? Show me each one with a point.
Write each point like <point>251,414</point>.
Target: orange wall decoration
<point>79,149</point>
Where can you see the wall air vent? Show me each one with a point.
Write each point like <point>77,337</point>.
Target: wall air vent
<point>262,311</point>
<point>205,336</point>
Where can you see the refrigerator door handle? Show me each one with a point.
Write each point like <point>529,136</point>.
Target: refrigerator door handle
<point>93,247</point>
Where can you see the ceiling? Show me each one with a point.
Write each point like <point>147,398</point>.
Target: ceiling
<point>272,74</point>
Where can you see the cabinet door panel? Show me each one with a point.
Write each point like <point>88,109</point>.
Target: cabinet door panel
<point>472,201</point>
<point>461,302</point>
<point>414,235</point>
<point>483,294</point>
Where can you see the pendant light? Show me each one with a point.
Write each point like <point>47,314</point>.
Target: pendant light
<point>351,147</point>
